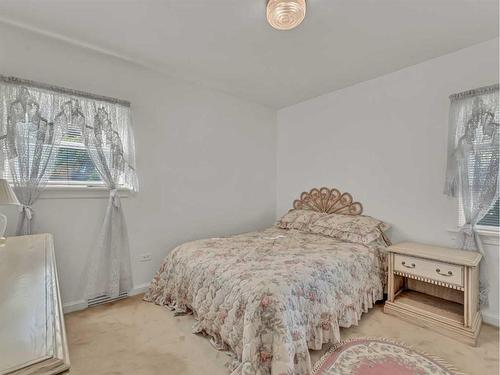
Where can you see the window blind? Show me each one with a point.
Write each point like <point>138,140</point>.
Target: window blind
<point>492,218</point>
<point>73,166</point>
<point>72,162</point>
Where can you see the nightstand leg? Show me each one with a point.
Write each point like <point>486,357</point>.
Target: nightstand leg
<point>471,295</point>
<point>467,290</point>
<point>390,283</point>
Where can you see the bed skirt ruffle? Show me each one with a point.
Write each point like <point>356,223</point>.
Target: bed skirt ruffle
<point>318,334</point>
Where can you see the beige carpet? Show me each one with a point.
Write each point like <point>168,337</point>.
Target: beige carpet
<point>139,338</point>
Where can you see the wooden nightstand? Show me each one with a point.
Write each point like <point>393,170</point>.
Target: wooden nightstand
<point>435,287</point>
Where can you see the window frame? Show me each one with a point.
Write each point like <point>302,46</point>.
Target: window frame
<point>81,192</point>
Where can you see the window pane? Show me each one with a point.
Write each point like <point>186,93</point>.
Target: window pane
<point>73,165</point>
<point>492,218</point>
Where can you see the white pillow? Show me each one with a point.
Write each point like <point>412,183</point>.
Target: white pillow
<point>357,228</point>
<point>299,219</point>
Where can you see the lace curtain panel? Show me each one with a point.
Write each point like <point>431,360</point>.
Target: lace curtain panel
<point>112,250</point>
<point>473,160</point>
<point>32,125</point>
<point>34,117</point>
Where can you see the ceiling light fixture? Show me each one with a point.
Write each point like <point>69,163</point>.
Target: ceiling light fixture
<point>285,14</point>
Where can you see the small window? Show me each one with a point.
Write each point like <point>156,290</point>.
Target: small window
<point>491,221</point>
<point>72,164</point>
<point>478,163</point>
<point>38,115</point>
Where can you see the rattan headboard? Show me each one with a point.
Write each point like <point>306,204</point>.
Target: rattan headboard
<point>329,201</point>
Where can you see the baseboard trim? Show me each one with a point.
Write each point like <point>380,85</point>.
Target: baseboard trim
<point>82,304</point>
<point>491,319</point>
<point>74,306</point>
<point>139,289</point>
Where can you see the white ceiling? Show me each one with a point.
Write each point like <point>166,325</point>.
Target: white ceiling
<point>227,44</point>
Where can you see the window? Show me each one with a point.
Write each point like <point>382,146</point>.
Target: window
<point>73,165</point>
<point>478,163</point>
<point>33,119</point>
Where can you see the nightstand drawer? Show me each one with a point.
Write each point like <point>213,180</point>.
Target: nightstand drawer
<point>430,269</point>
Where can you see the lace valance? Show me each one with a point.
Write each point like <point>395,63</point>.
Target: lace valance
<point>475,92</point>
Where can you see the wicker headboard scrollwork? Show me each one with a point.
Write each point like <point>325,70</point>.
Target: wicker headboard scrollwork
<point>329,201</point>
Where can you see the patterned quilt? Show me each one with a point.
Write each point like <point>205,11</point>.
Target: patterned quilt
<point>270,296</point>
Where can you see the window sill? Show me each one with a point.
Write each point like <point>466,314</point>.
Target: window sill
<point>488,236</point>
<point>80,192</point>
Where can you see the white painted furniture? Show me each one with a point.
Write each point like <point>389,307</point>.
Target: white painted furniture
<point>32,333</point>
<point>435,287</point>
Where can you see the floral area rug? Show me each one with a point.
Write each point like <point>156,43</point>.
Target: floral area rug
<point>379,356</point>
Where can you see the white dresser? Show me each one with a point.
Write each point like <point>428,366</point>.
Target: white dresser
<point>32,333</point>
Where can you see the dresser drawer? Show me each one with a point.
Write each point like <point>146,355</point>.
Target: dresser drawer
<point>430,269</point>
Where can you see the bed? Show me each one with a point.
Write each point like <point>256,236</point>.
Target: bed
<point>267,297</point>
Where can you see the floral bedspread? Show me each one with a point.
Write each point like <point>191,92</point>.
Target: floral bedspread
<point>269,296</point>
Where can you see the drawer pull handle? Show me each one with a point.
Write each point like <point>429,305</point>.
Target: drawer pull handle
<point>444,274</point>
<point>411,266</point>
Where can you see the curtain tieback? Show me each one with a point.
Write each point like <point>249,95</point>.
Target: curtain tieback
<point>470,230</point>
<point>467,229</point>
<point>115,198</point>
<point>28,211</point>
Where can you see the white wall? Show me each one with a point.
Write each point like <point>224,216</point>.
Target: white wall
<point>206,160</point>
<point>384,141</point>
